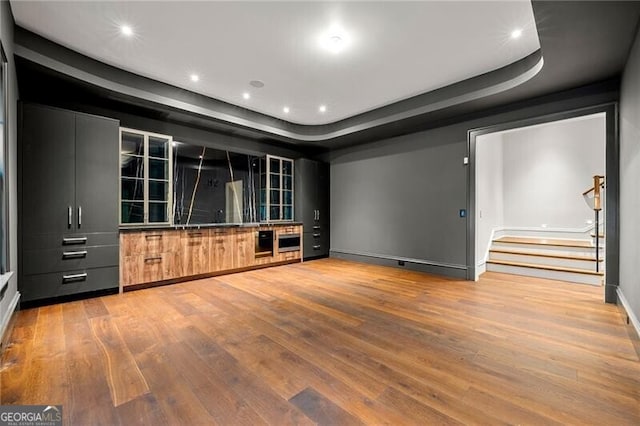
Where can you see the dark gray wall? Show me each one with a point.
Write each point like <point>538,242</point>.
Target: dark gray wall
<point>629,289</point>
<point>400,198</point>
<point>10,299</point>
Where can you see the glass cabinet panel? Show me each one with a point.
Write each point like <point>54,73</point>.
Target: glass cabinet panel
<point>276,181</point>
<point>145,177</point>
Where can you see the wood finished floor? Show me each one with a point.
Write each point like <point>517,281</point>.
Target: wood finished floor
<point>330,342</point>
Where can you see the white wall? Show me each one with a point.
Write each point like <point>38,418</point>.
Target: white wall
<point>489,191</point>
<point>546,169</point>
<point>630,184</point>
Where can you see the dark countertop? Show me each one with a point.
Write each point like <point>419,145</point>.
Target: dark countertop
<point>126,228</point>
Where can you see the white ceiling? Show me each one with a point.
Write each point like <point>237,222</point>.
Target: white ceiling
<point>391,50</point>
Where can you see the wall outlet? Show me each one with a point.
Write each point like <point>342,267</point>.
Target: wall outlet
<point>400,262</point>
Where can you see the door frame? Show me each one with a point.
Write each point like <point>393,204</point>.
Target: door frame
<point>612,187</point>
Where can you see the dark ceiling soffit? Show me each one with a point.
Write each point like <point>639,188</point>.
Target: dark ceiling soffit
<point>58,58</point>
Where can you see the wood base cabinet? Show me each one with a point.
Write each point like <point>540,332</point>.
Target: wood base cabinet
<point>153,256</point>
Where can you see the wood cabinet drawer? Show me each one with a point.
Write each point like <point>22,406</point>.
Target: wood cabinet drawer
<point>194,252</point>
<point>43,286</point>
<point>132,243</point>
<point>68,258</point>
<point>146,268</point>
<point>289,229</point>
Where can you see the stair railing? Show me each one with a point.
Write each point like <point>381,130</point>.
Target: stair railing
<point>598,184</point>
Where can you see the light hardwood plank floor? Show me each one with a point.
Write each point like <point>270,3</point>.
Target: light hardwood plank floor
<point>330,342</point>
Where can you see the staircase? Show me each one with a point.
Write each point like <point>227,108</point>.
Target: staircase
<point>552,258</point>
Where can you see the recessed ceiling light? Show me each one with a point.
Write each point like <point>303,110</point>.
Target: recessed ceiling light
<point>256,83</point>
<point>516,33</point>
<point>246,95</point>
<point>195,78</point>
<point>286,110</point>
<point>126,30</point>
<point>335,39</point>
<point>322,108</point>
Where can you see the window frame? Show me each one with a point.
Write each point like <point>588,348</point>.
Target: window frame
<point>146,179</point>
<point>281,190</point>
<point>5,249</point>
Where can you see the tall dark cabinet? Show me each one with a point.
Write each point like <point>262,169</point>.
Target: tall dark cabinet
<point>312,206</point>
<point>68,211</point>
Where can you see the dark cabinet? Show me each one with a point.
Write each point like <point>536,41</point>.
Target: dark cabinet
<point>312,206</point>
<point>68,179</point>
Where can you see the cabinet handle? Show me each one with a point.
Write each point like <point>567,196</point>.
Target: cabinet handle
<point>69,216</point>
<point>316,235</point>
<point>79,216</point>
<point>68,254</point>
<point>316,247</point>
<point>79,240</point>
<point>318,215</point>
<point>153,236</point>
<point>194,234</point>
<point>74,277</point>
<point>149,259</point>
<point>316,227</point>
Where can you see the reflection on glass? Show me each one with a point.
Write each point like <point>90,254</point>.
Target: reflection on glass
<point>274,197</point>
<point>131,166</point>
<point>158,169</point>
<point>132,189</point>
<point>132,212</point>
<point>274,164</point>
<point>158,147</point>
<point>158,190</point>
<point>275,181</point>
<point>263,196</point>
<point>287,182</point>
<point>274,212</point>
<point>263,212</point>
<point>132,144</point>
<point>287,167</point>
<point>287,197</point>
<point>287,213</point>
<point>157,212</point>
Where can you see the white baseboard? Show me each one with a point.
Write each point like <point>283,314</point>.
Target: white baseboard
<point>7,315</point>
<point>481,268</point>
<point>632,316</point>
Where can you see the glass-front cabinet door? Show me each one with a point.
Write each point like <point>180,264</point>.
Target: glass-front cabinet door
<point>145,177</point>
<point>276,189</point>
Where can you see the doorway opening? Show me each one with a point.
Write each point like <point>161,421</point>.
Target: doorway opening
<point>538,187</point>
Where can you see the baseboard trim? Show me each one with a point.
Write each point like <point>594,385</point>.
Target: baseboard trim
<point>8,322</point>
<point>437,268</point>
<point>633,324</point>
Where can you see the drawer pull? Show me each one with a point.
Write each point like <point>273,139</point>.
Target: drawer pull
<point>194,234</point>
<point>153,236</point>
<point>78,240</point>
<point>73,254</point>
<point>316,247</point>
<point>74,277</point>
<point>149,259</point>
<point>316,227</point>
<point>316,235</point>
